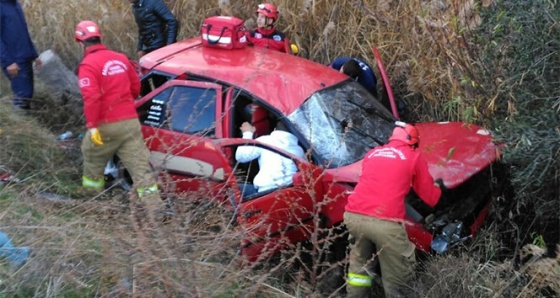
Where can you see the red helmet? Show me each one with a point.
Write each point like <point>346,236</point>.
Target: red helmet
<point>268,10</point>
<point>406,133</point>
<point>85,30</point>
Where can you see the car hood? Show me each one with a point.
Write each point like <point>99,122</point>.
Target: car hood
<point>454,151</point>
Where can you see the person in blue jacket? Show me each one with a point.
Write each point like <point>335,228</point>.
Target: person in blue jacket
<point>358,70</point>
<point>17,53</point>
<point>157,26</point>
<point>363,74</point>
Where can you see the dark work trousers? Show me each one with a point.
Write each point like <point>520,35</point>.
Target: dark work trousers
<point>22,84</point>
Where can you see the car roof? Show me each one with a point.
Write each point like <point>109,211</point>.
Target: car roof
<point>283,81</point>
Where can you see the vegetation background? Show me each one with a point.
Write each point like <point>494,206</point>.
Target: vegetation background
<point>494,63</point>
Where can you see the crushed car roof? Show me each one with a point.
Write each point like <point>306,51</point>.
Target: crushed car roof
<point>283,81</point>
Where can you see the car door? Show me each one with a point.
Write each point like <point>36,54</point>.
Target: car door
<point>179,123</point>
<point>277,219</point>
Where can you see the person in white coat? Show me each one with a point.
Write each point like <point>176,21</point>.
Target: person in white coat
<point>275,169</point>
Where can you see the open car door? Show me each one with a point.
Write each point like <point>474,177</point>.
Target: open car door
<point>274,220</point>
<point>178,123</point>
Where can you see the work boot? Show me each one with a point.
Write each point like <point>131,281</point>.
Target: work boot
<point>88,193</point>
<point>85,193</point>
<point>21,110</point>
<point>153,207</point>
<point>168,212</point>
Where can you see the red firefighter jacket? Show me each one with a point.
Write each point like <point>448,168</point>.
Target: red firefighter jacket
<point>269,38</point>
<point>388,172</point>
<point>109,84</point>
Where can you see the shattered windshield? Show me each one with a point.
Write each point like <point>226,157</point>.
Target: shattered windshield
<point>342,123</point>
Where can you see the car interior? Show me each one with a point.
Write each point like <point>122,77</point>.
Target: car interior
<point>243,108</point>
<point>246,110</point>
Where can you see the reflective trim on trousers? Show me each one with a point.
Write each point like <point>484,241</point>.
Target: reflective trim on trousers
<point>359,280</point>
<point>93,183</point>
<point>144,191</point>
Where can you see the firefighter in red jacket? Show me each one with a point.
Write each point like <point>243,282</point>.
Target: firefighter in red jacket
<point>375,212</point>
<point>266,35</point>
<point>109,85</point>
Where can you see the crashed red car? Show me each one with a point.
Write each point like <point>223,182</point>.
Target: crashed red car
<point>194,99</point>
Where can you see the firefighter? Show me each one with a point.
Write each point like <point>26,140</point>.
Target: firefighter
<point>17,53</point>
<point>109,85</point>
<point>266,35</point>
<point>157,26</point>
<point>375,212</point>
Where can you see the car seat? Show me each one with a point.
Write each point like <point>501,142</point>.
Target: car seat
<point>258,117</point>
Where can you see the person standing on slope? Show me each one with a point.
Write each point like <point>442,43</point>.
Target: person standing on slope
<point>375,212</point>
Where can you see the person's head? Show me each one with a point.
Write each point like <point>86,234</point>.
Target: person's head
<point>87,33</point>
<point>406,133</point>
<point>351,68</point>
<point>267,14</point>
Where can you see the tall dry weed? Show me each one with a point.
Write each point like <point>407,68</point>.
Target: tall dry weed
<point>425,44</point>
<point>450,60</point>
<point>92,247</point>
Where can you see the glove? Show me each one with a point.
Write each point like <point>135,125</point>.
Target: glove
<point>442,186</point>
<point>95,136</point>
<point>294,48</point>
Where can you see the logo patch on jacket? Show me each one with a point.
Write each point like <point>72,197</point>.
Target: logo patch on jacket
<point>83,82</point>
<point>258,35</point>
<point>277,37</point>
<point>113,67</point>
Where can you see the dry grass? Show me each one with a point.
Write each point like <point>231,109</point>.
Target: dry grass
<point>449,60</point>
<point>426,45</point>
<point>97,249</point>
<point>103,247</point>
<point>469,272</point>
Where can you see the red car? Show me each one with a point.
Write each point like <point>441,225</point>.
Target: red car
<point>194,99</point>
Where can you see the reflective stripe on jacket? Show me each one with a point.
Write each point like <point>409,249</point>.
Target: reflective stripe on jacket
<point>109,84</point>
<point>388,173</point>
